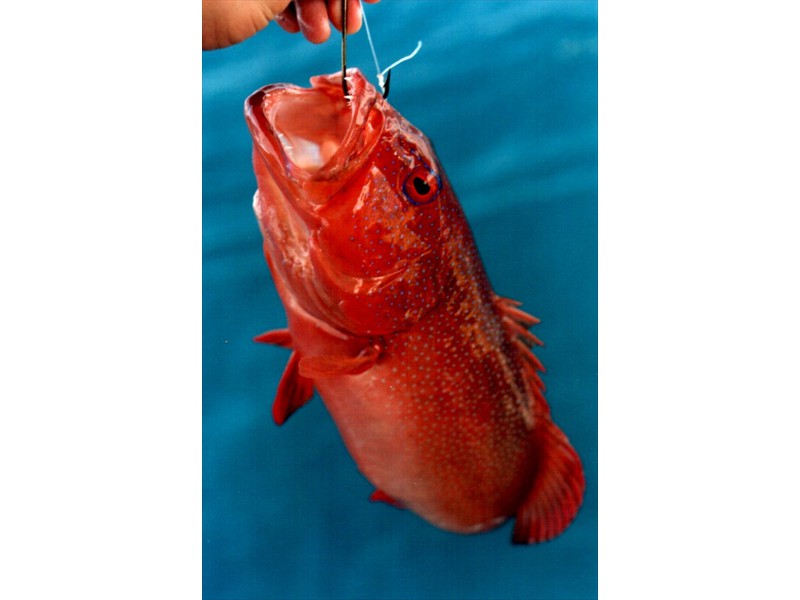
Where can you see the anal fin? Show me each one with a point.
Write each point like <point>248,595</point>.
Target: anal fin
<point>556,492</point>
<point>294,391</point>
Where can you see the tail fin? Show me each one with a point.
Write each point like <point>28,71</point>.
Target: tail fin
<point>557,489</point>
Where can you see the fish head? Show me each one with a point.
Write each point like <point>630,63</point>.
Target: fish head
<point>350,202</point>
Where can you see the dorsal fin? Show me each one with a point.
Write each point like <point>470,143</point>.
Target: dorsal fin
<point>510,308</point>
<point>516,323</point>
<point>556,491</point>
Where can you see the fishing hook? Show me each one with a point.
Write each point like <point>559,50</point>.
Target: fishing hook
<point>386,83</point>
<point>344,56</point>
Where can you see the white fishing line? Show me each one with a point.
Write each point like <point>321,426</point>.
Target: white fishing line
<point>382,74</point>
<point>371,46</point>
<point>397,62</point>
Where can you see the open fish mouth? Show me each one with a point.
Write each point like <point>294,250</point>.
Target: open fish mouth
<point>310,144</point>
<point>314,135</point>
<point>311,130</point>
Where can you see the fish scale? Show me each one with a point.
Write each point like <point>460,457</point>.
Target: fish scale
<point>426,371</point>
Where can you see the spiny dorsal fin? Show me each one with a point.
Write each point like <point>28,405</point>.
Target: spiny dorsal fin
<point>516,323</point>
<point>510,307</point>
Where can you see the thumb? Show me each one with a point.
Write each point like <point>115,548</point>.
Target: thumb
<point>228,22</point>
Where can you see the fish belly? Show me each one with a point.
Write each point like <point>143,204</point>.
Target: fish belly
<point>438,433</point>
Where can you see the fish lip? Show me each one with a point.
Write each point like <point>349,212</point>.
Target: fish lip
<point>261,112</point>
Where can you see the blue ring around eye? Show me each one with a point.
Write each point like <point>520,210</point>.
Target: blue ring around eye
<point>414,175</point>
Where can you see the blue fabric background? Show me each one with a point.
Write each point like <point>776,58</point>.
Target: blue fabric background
<point>507,92</point>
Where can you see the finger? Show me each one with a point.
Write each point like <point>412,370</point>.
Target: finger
<point>353,14</point>
<point>229,22</point>
<point>312,17</point>
<point>288,19</point>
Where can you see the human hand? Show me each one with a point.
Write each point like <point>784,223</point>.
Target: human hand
<point>228,22</point>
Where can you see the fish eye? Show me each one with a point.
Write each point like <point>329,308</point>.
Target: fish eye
<point>422,185</point>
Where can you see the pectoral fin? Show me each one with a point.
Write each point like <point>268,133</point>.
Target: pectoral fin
<point>318,366</point>
<point>294,391</point>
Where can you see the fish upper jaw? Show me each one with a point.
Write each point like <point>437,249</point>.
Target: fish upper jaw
<point>313,138</point>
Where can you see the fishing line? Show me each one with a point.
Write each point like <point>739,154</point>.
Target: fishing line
<point>372,47</point>
<point>384,83</point>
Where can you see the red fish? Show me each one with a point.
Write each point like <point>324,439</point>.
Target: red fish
<point>427,373</point>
